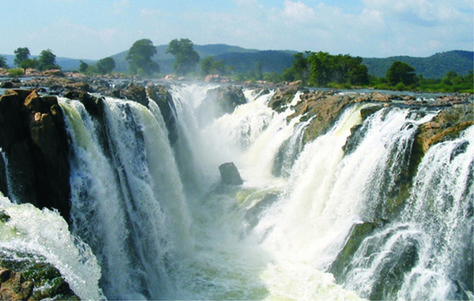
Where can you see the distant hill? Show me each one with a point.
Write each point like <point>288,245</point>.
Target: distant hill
<point>435,66</point>
<point>244,60</point>
<point>166,60</point>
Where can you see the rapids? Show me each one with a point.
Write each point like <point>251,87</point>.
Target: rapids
<point>152,220</point>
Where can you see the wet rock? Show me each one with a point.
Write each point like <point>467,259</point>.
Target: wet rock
<point>446,125</point>
<point>13,286</point>
<point>34,141</point>
<point>323,108</point>
<point>219,101</point>
<point>132,92</point>
<point>162,97</point>
<point>93,105</point>
<point>23,277</point>
<point>4,217</point>
<point>283,96</point>
<point>355,237</point>
<point>230,174</point>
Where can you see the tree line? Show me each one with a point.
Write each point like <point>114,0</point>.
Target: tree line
<point>317,69</point>
<point>47,61</point>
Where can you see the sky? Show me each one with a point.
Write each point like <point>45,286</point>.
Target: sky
<point>94,29</point>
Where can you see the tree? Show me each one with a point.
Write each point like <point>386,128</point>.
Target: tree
<point>139,58</point>
<point>299,69</point>
<point>400,72</point>
<point>259,70</point>
<point>106,65</point>
<point>47,60</point>
<point>21,54</point>
<point>83,66</point>
<point>186,58</point>
<point>3,62</point>
<point>320,65</point>
<point>209,65</point>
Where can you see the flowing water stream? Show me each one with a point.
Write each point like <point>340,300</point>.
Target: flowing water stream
<point>153,220</point>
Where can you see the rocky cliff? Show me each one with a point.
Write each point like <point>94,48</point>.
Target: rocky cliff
<point>35,150</point>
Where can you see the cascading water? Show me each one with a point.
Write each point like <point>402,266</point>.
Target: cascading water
<point>127,202</point>
<point>345,216</point>
<point>43,236</point>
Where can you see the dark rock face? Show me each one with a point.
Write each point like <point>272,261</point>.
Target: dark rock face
<point>220,101</point>
<point>162,97</point>
<point>34,141</point>
<point>92,104</point>
<point>230,174</point>
<point>132,92</point>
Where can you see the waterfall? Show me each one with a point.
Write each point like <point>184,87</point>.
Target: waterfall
<point>347,216</point>
<point>127,197</point>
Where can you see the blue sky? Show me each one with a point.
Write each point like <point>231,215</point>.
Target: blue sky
<point>94,29</point>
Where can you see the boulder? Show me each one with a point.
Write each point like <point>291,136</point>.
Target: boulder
<point>230,174</point>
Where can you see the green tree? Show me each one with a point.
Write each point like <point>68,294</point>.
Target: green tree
<point>320,65</point>
<point>259,70</point>
<point>21,54</point>
<point>186,58</point>
<point>83,67</point>
<point>299,69</point>
<point>139,58</point>
<point>47,60</point>
<point>3,62</point>
<point>400,72</point>
<point>209,65</point>
<point>106,65</point>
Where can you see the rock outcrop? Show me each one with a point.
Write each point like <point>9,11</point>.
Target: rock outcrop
<point>446,125</point>
<point>219,101</point>
<point>323,108</point>
<point>132,92</point>
<point>162,97</point>
<point>230,174</point>
<point>34,142</point>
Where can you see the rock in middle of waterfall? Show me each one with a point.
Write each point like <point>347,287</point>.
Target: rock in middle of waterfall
<point>230,174</point>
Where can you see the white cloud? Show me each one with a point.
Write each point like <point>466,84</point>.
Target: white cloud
<point>298,11</point>
<point>119,6</point>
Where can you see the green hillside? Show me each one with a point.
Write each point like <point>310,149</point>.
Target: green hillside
<point>435,66</point>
